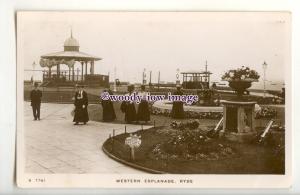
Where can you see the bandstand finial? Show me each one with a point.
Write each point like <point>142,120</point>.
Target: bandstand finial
<point>71,32</point>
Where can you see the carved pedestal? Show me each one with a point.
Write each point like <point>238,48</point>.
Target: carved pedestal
<point>239,122</point>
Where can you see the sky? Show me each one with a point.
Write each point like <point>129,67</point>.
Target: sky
<point>161,41</point>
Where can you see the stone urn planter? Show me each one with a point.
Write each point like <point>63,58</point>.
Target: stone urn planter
<point>238,113</point>
<point>240,85</point>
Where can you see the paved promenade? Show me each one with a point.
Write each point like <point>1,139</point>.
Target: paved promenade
<point>55,145</point>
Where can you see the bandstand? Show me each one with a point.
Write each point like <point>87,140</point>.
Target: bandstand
<point>70,57</point>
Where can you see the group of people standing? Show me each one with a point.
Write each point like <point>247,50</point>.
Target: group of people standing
<point>142,114</point>
<point>108,112</point>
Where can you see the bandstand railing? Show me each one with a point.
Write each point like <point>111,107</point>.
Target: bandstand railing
<point>66,76</point>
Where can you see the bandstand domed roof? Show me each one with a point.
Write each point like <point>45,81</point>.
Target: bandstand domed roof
<point>71,42</point>
<point>71,52</point>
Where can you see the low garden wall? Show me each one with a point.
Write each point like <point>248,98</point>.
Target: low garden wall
<point>199,112</point>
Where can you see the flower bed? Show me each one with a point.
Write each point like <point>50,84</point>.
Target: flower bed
<point>191,124</point>
<point>266,112</point>
<point>192,145</point>
<point>278,127</point>
<point>262,113</point>
<point>188,142</point>
<point>188,114</point>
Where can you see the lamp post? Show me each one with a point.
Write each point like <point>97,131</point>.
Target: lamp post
<point>33,74</point>
<point>177,76</point>
<point>265,68</point>
<point>144,77</point>
<point>115,77</point>
<point>158,79</point>
<point>150,83</point>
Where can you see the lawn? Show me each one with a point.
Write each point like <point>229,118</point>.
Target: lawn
<point>248,158</point>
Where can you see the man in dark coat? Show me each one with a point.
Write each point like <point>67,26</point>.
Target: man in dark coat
<point>108,108</point>
<point>81,103</point>
<point>129,108</point>
<point>35,96</point>
<point>177,109</point>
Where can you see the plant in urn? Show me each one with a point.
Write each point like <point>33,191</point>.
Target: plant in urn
<point>240,79</point>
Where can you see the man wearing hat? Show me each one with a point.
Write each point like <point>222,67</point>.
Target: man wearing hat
<point>81,103</point>
<point>35,97</point>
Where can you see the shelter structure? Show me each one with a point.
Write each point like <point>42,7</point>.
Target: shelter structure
<point>196,79</point>
<point>84,73</point>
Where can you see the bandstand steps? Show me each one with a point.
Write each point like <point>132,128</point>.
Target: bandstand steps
<point>45,84</point>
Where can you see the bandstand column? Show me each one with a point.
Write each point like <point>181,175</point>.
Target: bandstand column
<point>82,70</point>
<point>73,73</point>
<point>69,73</point>
<point>58,70</point>
<point>49,76</point>
<point>92,67</point>
<point>86,63</point>
<point>77,74</point>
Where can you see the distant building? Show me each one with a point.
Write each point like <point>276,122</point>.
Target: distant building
<point>196,79</point>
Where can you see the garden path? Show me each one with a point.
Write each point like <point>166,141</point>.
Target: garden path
<point>55,145</point>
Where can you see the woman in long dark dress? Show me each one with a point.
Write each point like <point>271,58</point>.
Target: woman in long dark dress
<point>177,108</point>
<point>128,108</point>
<point>108,109</point>
<point>81,103</point>
<point>143,113</point>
